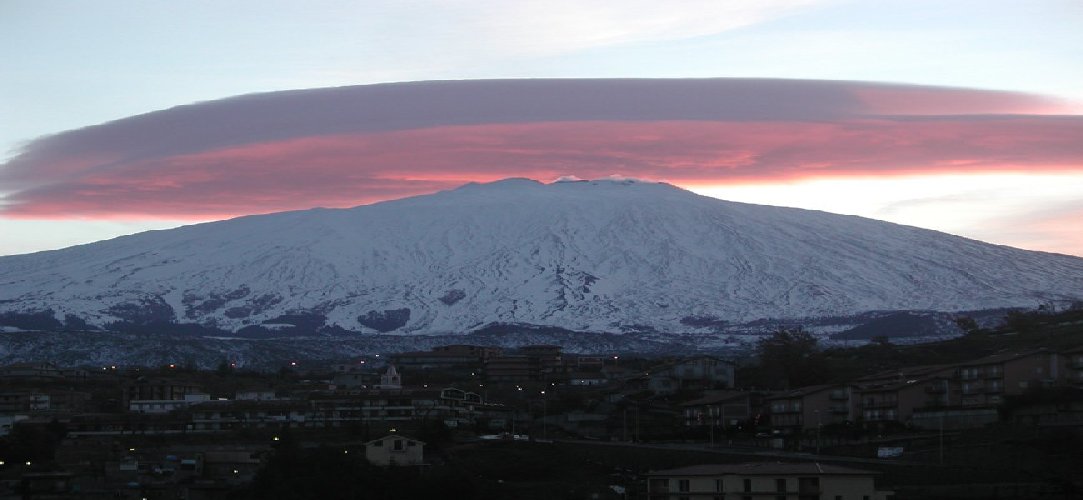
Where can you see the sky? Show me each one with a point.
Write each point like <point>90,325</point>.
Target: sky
<point>118,117</point>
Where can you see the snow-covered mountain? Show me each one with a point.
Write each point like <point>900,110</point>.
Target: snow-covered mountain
<point>607,256</point>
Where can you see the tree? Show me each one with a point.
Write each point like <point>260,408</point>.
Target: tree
<point>967,324</point>
<point>792,358</point>
<point>1021,321</point>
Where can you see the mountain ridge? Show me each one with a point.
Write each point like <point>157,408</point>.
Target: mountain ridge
<point>602,255</point>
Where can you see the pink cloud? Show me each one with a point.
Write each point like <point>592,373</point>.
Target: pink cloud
<point>341,170</point>
<point>353,145</point>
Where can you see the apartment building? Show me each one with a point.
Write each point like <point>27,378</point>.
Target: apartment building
<point>721,409</point>
<point>985,381</point>
<point>896,402</point>
<point>811,407</point>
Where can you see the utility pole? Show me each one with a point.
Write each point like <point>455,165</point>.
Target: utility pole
<point>819,426</point>
<point>624,426</point>
<point>710,415</point>
<point>941,437</point>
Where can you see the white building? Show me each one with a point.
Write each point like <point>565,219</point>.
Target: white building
<point>764,480</point>
<point>395,449</point>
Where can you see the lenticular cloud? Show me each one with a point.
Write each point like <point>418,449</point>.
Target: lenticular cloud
<point>346,146</point>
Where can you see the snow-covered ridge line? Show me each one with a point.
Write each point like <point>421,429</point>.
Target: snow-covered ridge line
<point>611,255</point>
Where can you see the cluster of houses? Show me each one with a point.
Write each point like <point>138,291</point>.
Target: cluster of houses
<point>700,391</point>
<point>366,399</point>
<point>951,396</point>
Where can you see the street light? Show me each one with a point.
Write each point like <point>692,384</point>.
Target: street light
<point>545,414</point>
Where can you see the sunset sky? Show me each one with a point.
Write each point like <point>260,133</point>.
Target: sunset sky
<point>117,117</point>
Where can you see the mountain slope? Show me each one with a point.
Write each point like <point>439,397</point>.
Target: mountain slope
<point>598,255</point>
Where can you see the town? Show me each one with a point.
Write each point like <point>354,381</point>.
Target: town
<point>538,422</point>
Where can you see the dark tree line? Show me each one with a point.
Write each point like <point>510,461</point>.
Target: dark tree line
<point>789,358</point>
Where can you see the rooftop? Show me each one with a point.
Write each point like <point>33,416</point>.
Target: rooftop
<point>762,468</point>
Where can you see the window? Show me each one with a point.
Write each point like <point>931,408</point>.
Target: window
<point>682,485</point>
<point>718,485</point>
<point>398,445</point>
<point>838,497</point>
<point>748,485</point>
<point>780,485</point>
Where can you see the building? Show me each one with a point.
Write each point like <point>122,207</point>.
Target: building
<point>349,367</point>
<point>510,369</point>
<point>158,389</point>
<point>31,371</point>
<point>584,363</point>
<point>703,372</point>
<point>453,358</point>
<point>390,379</point>
<point>722,409</point>
<point>165,405</point>
<point>546,358</point>
<point>353,380</point>
<point>985,381</point>
<point>1073,366</point>
<point>897,401</point>
<point>793,481</point>
<point>903,374</point>
<point>454,407</point>
<point>395,449</point>
<point>480,352</point>
<point>811,407</point>
<point>587,379</point>
<point>7,422</point>
<point>31,401</point>
<point>255,395</point>
<point>249,414</point>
